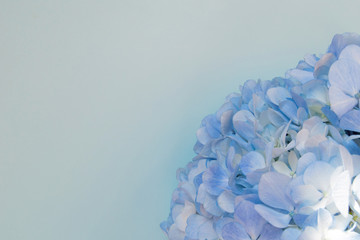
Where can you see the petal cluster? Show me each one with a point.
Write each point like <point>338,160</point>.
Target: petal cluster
<point>280,159</point>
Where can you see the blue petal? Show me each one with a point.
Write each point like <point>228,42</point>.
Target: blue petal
<point>226,122</point>
<point>340,102</point>
<point>289,108</point>
<point>203,136</point>
<point>306,194</point>
<point>246,214</point>
<point>215,179</point>
<point>322,67</point>
<point>193,224</point>
<point>234,231</point>
<point>279,220</point>
<point>300,102</point>
<point>175,233</point>
<point>244,123</point>
<point>219,224</point>
<point>300,75</point>
<point>304,162</point>
<point>206,231</point>
<point>318,174</point>
<point>270,233</point>
<point>226,201</point>
<point>278,94</point>
<point>290,234</point>
<point>211,206</point>
<point>276,118</point>
<point>340,41</point>
<point>351,121</point>
<point>344,75</point>
<point>251,162</point>
<point>272,190</point>
<point>334,120</point>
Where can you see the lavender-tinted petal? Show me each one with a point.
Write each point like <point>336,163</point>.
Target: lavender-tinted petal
<point>272,190</point>
<point>234,231</point>
<point>246,214</point>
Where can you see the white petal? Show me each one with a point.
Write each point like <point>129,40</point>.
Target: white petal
<point>340,184</point>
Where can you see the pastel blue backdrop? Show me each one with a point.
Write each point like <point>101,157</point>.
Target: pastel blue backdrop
<point>100,100</point>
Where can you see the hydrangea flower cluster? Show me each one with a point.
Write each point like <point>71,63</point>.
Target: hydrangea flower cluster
<point>280,159</point>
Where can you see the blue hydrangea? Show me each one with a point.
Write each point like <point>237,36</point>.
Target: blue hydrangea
<point>280,159</point>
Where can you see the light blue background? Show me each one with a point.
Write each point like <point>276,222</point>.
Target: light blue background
<point>100,100</point>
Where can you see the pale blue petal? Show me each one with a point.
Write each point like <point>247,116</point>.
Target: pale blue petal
<point>226,201</point>
<point>276,118</point>
<point>340,102</point>
<point>300,102</point>
<point>275,218</point>
<point>351,121</point>
<point>310,233</point>
<point>290,234</point>
<point>344,74</point>
<point>270,233</point>
<point>331,115</point>
<point>340,184</point>
<point>234,231</point>
<point>244,123</point>
<point>211,206</point>
<point>193,224</point>
<point>347,160</point>
<point>207,232</point>
<point>324,220</point>
<point>272,190</point>
<point>322,67</point>
<point>306,194</point>
<point>247,216</point>
<point>340,41</point>
<point>215,179</point>
<point>300,75</point>
<point>175,233</point>
<point>278,94</point>
<point>251,162</point>
<point>203,136</point>
<point>351,52</point>
<point>188,210</point>
<point>219,224</point>
<point>318,174</point>
<point>302,114</point>
<point>289,108</point>
<point>226,122</point>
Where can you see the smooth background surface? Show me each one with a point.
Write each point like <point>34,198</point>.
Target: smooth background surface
<point>100,100</point>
